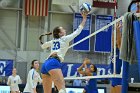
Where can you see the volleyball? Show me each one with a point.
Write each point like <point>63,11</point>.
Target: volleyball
<point>85,7</point>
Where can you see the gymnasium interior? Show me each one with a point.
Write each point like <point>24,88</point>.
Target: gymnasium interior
<point>23,21</point>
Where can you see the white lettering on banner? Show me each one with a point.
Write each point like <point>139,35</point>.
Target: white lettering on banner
<point>2,66</point>
<point>101,70</point>
<point>109,72</point>
<point>69,70</point>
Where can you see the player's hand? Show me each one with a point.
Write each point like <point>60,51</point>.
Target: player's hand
<point>84,15</point>
<point>84,64</point>
<point>34,90</point>
<point>119,25</point>
<point>86,61</point>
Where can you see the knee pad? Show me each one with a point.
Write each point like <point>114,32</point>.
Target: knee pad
<point>62,91</point>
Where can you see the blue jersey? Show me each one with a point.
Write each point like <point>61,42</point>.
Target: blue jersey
<point>91,87</point>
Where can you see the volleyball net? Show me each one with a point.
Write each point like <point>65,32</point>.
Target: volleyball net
<point>113,75</point>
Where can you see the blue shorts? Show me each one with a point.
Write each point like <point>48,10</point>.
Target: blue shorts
<point>49,64</point>
<point>118,66</point>
<point>90,90</point>
<point>116,81</point>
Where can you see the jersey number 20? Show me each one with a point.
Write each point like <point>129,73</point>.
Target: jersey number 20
<point>56,45</point>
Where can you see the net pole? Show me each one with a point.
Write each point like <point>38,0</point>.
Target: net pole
<point>114,55</point>
<point>122,60</point>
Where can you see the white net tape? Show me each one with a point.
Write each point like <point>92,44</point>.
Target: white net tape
<point>98,76</point>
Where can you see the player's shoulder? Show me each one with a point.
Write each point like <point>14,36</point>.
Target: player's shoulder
<point>10,76</point>
<point>54,40</point>
<point>59,39</point>
<point>31,70</point>
<point>49,41</point>
<point>63,38</point>
<point>18,76</point>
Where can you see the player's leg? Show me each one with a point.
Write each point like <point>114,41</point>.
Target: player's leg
<point>17,91</point>
<point>84,91</point>
<point>116,85</point>
<point>112,89</point>
<point>118,88</point>
<point>46,78</point>
<point>58,79</point>
<point>13,91</point>
<point>47,83</point>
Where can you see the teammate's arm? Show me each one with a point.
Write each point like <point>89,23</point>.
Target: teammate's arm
<point>31,81</point>
<point>80,70</point>
<point>39,79</point>
<point>118,35</point>
<point>19,80</point>
<point>87,72</point>
<point>9,81</point>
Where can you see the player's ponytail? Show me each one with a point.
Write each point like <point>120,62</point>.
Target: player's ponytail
<point>40,37</point>
<point>55,33</point>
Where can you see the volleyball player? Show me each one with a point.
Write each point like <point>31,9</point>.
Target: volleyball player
<point>13,81</point>
<point>91,86</point>
<point>33,78</point>
<point>51,69</point>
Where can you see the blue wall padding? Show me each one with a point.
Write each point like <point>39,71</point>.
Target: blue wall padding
<point>136,25</point>
<point>125,77</point>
